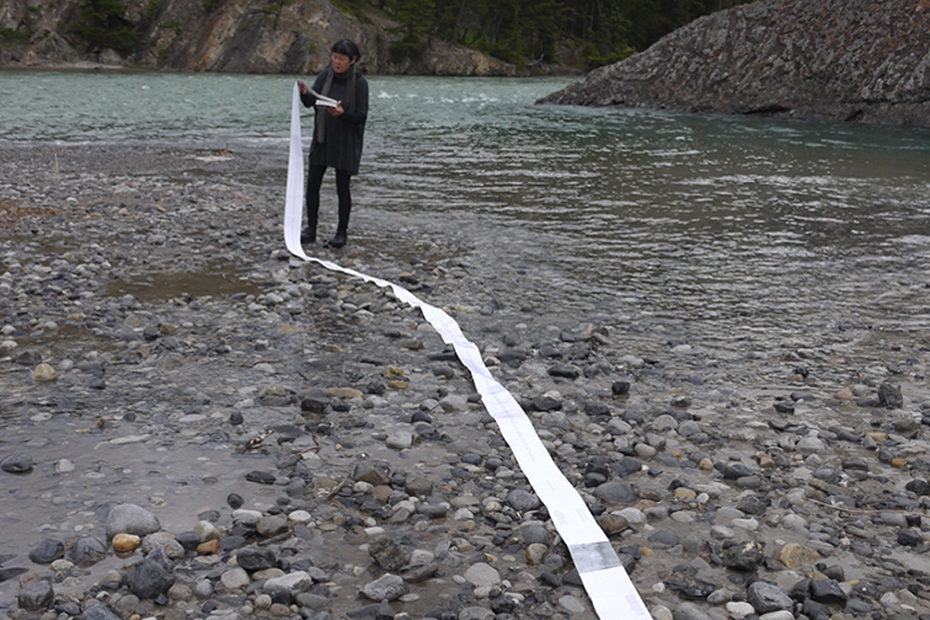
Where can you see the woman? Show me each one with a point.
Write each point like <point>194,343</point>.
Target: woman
<point>337,135</point>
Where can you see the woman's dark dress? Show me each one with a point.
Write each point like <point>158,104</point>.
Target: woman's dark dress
<point>342,148</point>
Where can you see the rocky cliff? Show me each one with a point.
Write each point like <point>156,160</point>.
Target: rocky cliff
<point>255,36</point>
<point>853,60</point>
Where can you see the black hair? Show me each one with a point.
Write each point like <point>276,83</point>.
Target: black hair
<point>347,47</point>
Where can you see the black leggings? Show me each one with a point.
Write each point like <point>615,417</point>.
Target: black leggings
<point>314,181</point>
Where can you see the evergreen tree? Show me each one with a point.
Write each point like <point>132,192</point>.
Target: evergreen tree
<point>101,24</point>
<point>416,18</point>
<point>526,32</point>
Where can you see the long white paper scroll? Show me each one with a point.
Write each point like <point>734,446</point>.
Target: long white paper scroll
<point>607,583</point>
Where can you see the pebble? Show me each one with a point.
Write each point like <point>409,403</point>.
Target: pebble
<point>291,583</point>
<point>482,575</point>
<point>17,464</point>
<point>366,428</point>
<point>125,543</point>
<point>35,594</point>
<point>766,597</point>
<point>535,553</point>
<point>150,578</point>
<point>400,440</point>
<point>388,587</point>
<point>47,551</point>
<point>131,519</point>
<point>44,373</point>
<point>793,556</point>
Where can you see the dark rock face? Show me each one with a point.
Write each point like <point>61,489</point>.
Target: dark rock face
<point>852,60</point>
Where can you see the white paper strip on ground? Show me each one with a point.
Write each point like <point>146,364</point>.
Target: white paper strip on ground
<point>612,593</point>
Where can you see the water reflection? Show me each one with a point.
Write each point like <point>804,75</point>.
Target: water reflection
<point>215,281</point>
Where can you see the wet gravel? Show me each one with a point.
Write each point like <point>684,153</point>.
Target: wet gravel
<point>197,425</point>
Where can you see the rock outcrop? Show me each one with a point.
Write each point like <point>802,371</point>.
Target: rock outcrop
<point>853,60</point>
<point>236,36</point>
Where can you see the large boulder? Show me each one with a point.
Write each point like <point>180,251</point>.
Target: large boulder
<point>853,60</point>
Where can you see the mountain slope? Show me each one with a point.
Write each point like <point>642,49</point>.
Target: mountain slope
<point>254,36</point>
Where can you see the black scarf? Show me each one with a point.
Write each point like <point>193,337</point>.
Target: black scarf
<point>320,129</point>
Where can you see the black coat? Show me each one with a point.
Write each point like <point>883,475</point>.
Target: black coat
<point>342,148</point>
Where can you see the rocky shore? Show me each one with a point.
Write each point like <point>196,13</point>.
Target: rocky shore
<point>197,425</point>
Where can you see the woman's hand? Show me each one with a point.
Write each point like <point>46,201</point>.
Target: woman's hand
<point>337,111</point>
<point>302,87</point>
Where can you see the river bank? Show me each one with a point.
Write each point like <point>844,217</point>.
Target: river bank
<point>192,364</point>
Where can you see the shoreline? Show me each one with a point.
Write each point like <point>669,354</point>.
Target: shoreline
<point>89,66</point>
<point>713,465</point>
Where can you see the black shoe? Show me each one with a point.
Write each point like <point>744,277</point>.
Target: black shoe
<point>307,237</point>
<point>338,240</point>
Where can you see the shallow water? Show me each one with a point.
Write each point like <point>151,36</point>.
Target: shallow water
<point>161,286</point>
<point>738,223</point>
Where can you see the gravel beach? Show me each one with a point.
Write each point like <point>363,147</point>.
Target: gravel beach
<point>198,425</point>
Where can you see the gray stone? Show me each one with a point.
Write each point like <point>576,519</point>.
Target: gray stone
<point>616,492</point>
<point>254,559</point>
<point>399,440</point>
<point>690,611</point>
<point>275,395</point>
<point>99,612</point>
<point>522,500</point>
<point>482,574</point>
<point>388,553</point>
<point>827,591</point>
<point>47,551</point>
<point>664,538</point>
<point>35,594</point>
<point>454,402</point>
<point>565,371</point>
<point>164,541</point>
<point>372,473</point>
<point>131,519</point>
<point>292,583</point>
<point>87,551</point>
<point>246,516</point>
<point>271,525</point>
<point>744,556</point>
<point>571,604</point>
<point>17,464</point>
<point>765,597</point>
<point>316,602</point>
<point>753,504</point>
<point>889,395</point>
<point>434,511</point>
<point>418,485</point>
<point>533,533</point>
<point>739,609</point>
<point>149,578</point>
<point>235,578</point>
<point>388,587</point>
<point>180,592</point>
<point>203,589</point>
<point>476,613</point>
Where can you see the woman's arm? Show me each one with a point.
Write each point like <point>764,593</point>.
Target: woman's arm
<point>305,96</point>
<point>360,114</point>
